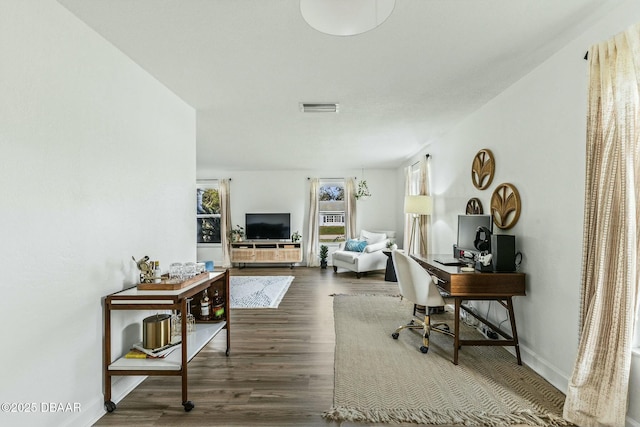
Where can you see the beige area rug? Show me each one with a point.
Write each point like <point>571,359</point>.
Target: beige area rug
<point>379,379</point>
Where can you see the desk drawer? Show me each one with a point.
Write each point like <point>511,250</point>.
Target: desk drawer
<point>444,278</point>
<point>455,282</point>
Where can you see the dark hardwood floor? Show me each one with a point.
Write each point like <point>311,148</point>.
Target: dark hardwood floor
<point>279,371</point>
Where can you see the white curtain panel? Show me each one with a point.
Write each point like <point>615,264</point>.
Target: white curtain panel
<point>350,208</point>
<point>225,221</point>
<point>425,220</point>
<point>598,388</point>
<point>313,240</point>
<point>407,217</point>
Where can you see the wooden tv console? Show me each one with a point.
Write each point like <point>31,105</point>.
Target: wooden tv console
<point>266,251</point>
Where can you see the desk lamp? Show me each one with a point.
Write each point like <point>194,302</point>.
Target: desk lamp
<point>417,206</point>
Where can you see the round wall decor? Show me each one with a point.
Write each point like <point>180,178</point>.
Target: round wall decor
<point>474,207</point>
<point>505,206</point>
<point>482,169</point>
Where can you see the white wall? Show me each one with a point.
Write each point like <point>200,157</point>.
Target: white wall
<point>97,164</point>
<point>288,191</point>
<point>536,131</point>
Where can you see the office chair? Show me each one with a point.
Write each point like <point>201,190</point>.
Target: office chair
<point>416,285</point>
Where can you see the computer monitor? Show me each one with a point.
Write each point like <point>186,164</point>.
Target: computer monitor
<point>467,227</point>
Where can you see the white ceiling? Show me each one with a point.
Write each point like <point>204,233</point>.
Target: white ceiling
<point>245,65</point>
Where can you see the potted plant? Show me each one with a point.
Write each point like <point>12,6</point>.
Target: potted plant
<point>295,237</point>
<point>236,234</point>
<point>324,251</point>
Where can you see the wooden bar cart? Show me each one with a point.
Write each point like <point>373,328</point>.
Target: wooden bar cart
<point>163,298</point>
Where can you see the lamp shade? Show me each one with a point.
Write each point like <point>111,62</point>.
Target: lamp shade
<point>419,205</point>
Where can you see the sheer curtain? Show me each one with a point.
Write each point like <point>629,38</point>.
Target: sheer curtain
<point>407,218</point>
<point>425,220</point>
<point>225,221</point>
<point>313,241</point>
<point>598,388</point>
<point>350,209</point>
<point>416,182</point>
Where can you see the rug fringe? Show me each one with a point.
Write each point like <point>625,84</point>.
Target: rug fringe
<point>366,295</point>
<point>448,417</point>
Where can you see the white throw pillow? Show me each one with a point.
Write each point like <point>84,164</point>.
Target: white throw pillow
<point>372,237</point>
<point>373,247</point>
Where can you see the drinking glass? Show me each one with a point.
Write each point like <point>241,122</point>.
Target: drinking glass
<point>189,270</point>
<point>176,271</point>
<point>191,320</point>
<point>200,267</point>
<point>176,326</point>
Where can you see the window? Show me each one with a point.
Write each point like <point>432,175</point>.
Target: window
<point>414,181</point>
<point>331,211</point>
<point>208,212</point>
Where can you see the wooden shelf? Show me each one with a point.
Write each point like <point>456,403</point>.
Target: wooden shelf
<point>173,362</point>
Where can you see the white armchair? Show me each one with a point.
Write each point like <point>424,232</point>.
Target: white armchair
<point>364,254</point>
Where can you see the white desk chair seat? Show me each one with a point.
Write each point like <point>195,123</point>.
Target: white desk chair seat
<point>417,286</point>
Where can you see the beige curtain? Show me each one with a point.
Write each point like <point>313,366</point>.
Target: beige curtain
<point>407,218</point>
<point>597,391</point>
<point>225,221</point>
<point>350,208</point>
<point>425,220</point>
<point>417,184</point>
<point>313,240</point>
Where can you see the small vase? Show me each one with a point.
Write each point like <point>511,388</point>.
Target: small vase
<point>323,264</point>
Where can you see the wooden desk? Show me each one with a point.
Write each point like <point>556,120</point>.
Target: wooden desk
<point>465,286</point>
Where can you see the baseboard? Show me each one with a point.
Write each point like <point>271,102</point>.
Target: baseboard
<point>120,388</point>
<point>630,422</point>
<point>542,367</point>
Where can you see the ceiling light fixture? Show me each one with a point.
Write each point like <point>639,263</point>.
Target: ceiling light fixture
<point>346,17</point>
<point>318,108</point>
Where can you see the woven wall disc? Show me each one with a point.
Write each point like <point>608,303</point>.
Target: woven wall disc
<point>474,207</point>
<point>482,169</point>
<point>505,206</point>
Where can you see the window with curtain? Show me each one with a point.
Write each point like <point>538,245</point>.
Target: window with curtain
<point>331,211</point>
<point>414,180</point>
<point>208,212</point>
<point>412,189</point>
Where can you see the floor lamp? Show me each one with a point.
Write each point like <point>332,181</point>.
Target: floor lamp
<point>417,206</point>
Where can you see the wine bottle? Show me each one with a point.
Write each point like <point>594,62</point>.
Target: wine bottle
<point>157,273</point>
<point>218,306</point>
<point>205,307</point>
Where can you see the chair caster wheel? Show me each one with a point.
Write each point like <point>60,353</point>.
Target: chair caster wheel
<point>109,406</point>
<point>424,349</point>
<point>395,335</point>
<point>188,405</point>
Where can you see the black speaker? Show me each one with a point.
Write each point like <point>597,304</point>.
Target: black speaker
<point>503,251</point>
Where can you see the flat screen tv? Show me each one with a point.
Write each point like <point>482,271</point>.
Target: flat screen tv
<point>467,227</point>
<point>268,226</point>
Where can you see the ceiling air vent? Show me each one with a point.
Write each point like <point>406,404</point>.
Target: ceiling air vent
<point>318,108</point>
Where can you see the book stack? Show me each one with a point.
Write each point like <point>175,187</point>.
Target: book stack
<point>139,352</point>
